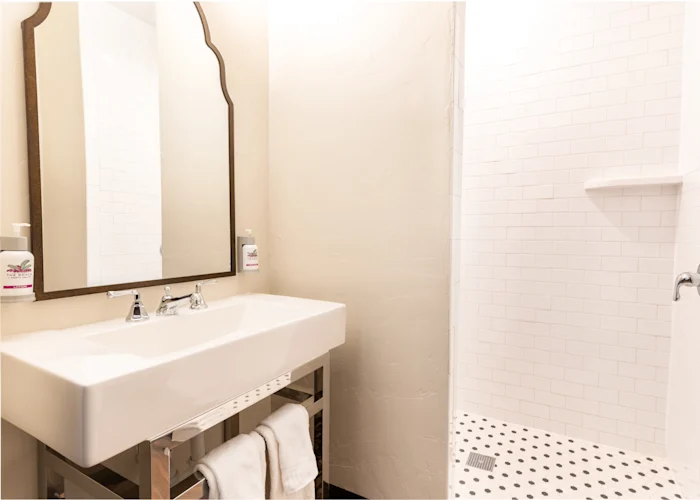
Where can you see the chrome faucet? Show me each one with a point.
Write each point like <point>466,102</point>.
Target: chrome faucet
<point>197,301</point>
<point>138,310</point>
<point>686,279</point>
<point>169,304</point>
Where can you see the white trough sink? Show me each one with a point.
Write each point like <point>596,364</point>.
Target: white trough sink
<point>94,391</point>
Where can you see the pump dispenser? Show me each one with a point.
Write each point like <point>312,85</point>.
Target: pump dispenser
<point>17,231</point>
<point>247,252</point>
<point>16,267</point>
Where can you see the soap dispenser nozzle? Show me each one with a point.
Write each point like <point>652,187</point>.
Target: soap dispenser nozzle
<point>17,228</point>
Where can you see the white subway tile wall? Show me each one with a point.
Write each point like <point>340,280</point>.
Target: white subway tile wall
<point>565,294</point>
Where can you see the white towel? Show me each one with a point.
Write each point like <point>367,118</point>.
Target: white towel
<point>297,462</point>
<point>236,469</point>
<point>275,489</point>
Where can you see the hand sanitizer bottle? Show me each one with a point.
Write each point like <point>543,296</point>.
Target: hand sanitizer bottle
<point>249,261</point>
<point>16,267</point>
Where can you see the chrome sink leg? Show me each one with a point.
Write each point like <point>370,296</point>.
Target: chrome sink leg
<point>42,483</point>
<point>154,470</point>
<point>231,427</point>
<point>326,422</point>
<point>50,484</point>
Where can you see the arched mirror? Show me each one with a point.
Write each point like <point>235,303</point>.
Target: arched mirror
<point>130,141</point>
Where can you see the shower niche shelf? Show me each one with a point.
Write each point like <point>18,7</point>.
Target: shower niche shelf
<point>663,180</point>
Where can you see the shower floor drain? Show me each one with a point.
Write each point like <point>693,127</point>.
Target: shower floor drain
<point>480,461</point>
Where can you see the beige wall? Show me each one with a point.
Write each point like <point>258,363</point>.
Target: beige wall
<point>359,213</point>
<point>360,155</point>
<point>240,31</point>
<point>62,148</point>
<point>194,144</point>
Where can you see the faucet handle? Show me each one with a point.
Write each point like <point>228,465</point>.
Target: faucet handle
<point>121,293</point>
<point>167,293</point>
<point>198,286</point>
<point>137,312</point>
<point>197,299</point>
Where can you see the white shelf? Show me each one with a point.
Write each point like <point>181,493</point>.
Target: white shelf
<point>664,180</point>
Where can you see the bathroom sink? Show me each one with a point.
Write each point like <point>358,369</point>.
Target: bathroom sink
<point>93,391</point>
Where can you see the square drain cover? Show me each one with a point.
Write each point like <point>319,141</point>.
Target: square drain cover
<point>480,461</point>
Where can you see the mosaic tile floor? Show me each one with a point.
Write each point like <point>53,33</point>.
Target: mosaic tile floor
<point>531,463</point>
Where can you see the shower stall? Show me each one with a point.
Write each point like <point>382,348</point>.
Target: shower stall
<point>575,206</point>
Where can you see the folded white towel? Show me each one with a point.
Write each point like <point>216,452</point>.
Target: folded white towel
<point>236,469</point>
<point>275,489</point>
<point>297,462</point>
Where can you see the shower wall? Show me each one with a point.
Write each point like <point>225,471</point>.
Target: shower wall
<point>565,317</point>
<point>684,384</point>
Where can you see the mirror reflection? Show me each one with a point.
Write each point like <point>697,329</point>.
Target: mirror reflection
<point>134,145</point>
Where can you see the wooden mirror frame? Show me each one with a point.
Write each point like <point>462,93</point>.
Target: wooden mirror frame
<point>34,161</point>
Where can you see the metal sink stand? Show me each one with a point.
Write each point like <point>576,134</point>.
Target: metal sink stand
<point>154,454</point>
